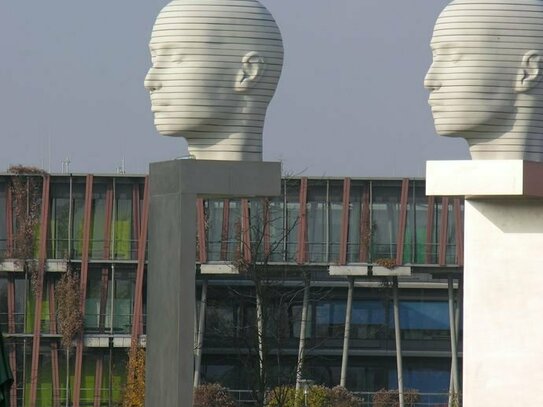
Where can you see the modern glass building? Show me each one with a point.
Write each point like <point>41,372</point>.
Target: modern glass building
<point>327,253</point>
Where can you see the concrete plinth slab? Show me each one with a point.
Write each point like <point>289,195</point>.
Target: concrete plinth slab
<point>492,178</point>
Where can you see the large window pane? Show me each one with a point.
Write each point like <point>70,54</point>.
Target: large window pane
<point>385,220</point>
<point>317,222</point>
<point>336,218</point>
<point>59,221</point>
<point>125,241</point>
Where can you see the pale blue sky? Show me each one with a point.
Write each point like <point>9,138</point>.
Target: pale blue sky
<point>351,101</point>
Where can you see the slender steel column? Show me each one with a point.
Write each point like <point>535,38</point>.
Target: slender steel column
<point>397,335</point>
<point>454,317</point>
<point>302,225</point>
<point>400,236</point>
<point>303,324</point>
<point>347,333</point>
<point>443,232</point>
<point>343,244</point>
<point>200,338</point>
<point>429,230</point>
<point>225,228</point>
<point>87,219</point>
<point>137,317</point>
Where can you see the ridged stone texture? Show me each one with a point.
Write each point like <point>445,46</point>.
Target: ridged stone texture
<point>485,79</point>
<point>215,68</point>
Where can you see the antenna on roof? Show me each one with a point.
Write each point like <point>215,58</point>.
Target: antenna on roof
<point>121,169</point>
<point>66,165</point>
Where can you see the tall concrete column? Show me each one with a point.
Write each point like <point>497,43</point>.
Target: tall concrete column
<point>502,353</point>
<point>175,185</point>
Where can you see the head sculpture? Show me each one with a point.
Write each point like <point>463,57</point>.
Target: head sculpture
<point>215,68</point>
<point>485,79</point>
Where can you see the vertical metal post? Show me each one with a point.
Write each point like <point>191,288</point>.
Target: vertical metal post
<point>137,317</point>
<point>400,236</point>
<point>347,333</point>
<point>87,219</point>
<point>260,333</point>
<point>443,232</point>
<point>397,335</point>
<point>303,324</point>
<point>430,229</point>
<point>200,338</point>
<point>343,244</point>
<point>454,352</point>
<point>302,225</point>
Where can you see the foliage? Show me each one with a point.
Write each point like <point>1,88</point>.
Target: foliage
<point>317,396</point>
<point>134,391</point>
<point>213,395</point>
<point>70,317</point>
<point>341,397</point>
<point>26,186</point>
<point>390,398</point>
<point>388,263</point>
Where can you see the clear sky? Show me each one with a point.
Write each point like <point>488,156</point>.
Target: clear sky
<point>350,102</point>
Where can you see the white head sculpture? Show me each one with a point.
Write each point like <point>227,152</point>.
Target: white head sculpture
<point>485,80</point>
<point>215,68</point>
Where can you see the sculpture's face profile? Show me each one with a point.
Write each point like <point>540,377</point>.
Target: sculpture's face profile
<point>469,86</point>
<point>188,89</point>
<point>215,67</point>
<point>485,76</point>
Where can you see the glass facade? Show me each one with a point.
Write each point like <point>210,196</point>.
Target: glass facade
<point>292,238</point>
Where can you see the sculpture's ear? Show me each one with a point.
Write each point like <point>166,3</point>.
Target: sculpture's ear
<point>252,69</point>
<point>529,73</point>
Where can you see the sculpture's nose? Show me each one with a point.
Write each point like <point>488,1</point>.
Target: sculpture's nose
<point>431,81</point>
<point>152,81</point>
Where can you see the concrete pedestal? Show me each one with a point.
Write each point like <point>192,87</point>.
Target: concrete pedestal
<point>175,185</point>
<point>503,277</point>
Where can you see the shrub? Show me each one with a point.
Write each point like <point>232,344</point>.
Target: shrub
<point>390,398</point>
<point>213,395</point>
<point>318,396</point>
<point>134,391</point>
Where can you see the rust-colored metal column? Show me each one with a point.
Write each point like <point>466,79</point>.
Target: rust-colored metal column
<point>11,298</point>
<point>302,225</point>
<point>11,346</point>
<point>87,218</point>
<point>225,225</point>
<point>459,225</point>
<point>39,291</point>
<point>9,221</point>
<point>400,238</point>
<point>54,345</point>
<point>201,219</point>
<point>345,222</point>
<point>444,225</point>
<point>429,229</point>
<point>98,381</point>
<point>137,321</point>
<point>365,226</point>
<point>245,231</point>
